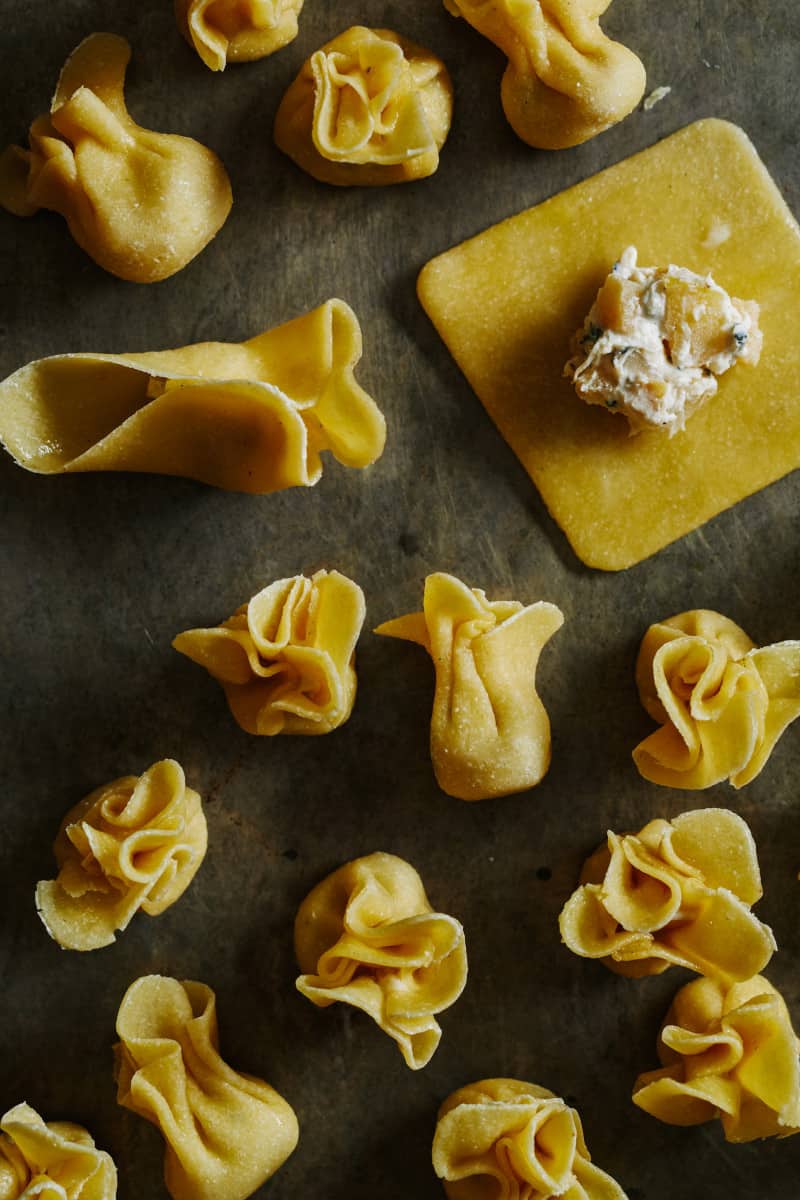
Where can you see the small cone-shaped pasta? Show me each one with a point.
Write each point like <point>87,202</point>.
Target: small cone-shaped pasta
<point>226,1133</point>
<point>369,108</point>
<point>251,416</point>
<point>133,844</point>
<point>285,659</point>
<point>727,1053</point>
<point>367,936</point>
<point>223,31</point>
<point>490,733</point>
<point>722,702</point>
<point>678,892</point>
<point>565,81</point>
<point>53,1160</point>
<point>502,1139</point>
<point>141,204</point>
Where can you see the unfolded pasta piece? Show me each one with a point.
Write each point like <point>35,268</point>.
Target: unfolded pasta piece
<point>141,204</point>
<point>565,81</point>
<point>226,1133</point>
<point>721,701</point>
<point>678,892</point>
<point>285,659</point>
<point>729,1053</point>
<point>249,416</point>
<point>503,1139</point>
<point>367,936</point>
<point>368,108</point>
<point>135,843</point>
<point>52,1160</point>
<point>223,31</point>
<point>490,733</point>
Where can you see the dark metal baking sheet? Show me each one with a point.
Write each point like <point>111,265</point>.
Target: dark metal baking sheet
<point>100,571</point>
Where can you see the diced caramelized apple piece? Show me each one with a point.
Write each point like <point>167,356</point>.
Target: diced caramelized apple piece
<point>695,322</point>
<point>617,303</point>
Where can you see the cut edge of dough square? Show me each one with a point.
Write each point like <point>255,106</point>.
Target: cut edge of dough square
<point>507,302</point>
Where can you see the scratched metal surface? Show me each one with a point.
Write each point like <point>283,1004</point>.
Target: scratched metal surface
<point>100,572</point>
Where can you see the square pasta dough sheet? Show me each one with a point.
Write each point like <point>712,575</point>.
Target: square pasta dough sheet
<point>507,302</point>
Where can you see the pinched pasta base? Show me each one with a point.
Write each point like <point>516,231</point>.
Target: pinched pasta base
<point>141,204</point>
<point>678,892</point>
<point>367,936</point>
<point>226,1133</point>
<point>249,416</point>
<point>503,1139</point>
<point>508,302</point>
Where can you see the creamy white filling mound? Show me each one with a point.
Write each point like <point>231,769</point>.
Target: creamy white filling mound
<point>638,370</point>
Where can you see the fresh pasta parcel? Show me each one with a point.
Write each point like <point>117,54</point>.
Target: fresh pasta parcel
<point>226,1132</point>
<point>133,844</point>
<point>368,108</point>
<point>223,31</point>
<point>727,1053</point>
<point>565,81</point>
<point>250,416</point>
<point>51,1160</point>
<point>721,701</point>
<point>368,936</point>
<point>511,1139</point>
<point>286,658</point>
<point>141,204</point>
<point>490,732</point>
<point>676,893</point>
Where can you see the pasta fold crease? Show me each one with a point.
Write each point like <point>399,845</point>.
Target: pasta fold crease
<point>515,1140</point>
<point>721,701</point>
<point>135,843</point>
<point>223,31</point>
<point>285,659</point>
<point>729,1053</point>
<point>226,1133</point>
<point>367,936</point>
<point>490,733</point>
<point>565,81</point>
<point>53,1160</point>
<point>251,416</point>
<point>368,108</point>
<point>677,893</point>
<point>141,204</point>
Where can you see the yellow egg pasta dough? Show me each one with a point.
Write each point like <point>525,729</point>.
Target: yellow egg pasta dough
<point>565,81</point>
<point>53,1160</point>
<point>286,658</point>
<point>141,204</point>
<point>676,893</point>
<point>727,1053</point>
<point>508,302</point>
<point>721,701</point>
<point>515,1140</point>
<point>367,936</point>
<point>135,843</point>
<point>368,108</point>
<point>490,733</point>
<point>223,31</point>
<point>226,1133</point>
<point>250,417</point>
